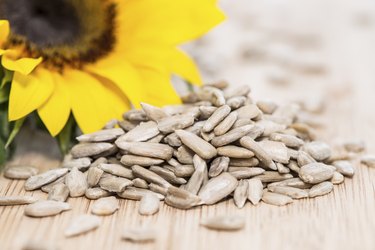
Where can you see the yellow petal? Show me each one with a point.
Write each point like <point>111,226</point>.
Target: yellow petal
<point>24,65</point>
<point>56,110</point>
<point>165,21</point>
<point>4,31</point>
<point>29,92</point>
<point>121,73</point>
<point>93,102</point>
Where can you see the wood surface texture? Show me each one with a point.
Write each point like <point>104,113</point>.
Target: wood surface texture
<point>344,219</point>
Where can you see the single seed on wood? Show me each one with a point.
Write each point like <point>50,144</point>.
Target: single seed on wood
<point>80,163</point>
<point>316,172</point>
<point>101,135</point>
<point>255,191</point>
<point>245,172</point>
<point>292,192</point>
<point>276,150</point>
<point>142,132</point>
<point>259,152</point>
<point>218,165</point>
<point>225,124</point>
<point>17,200</point>
<point>147,149</point>
<point>114,184</point>
<point>105,206</point>
<point>59,192</point>
<point>321,189</point>
<point>149,176</point>
<point>241,193</point>
<point>140,183</point>
<point>225,222</point>
<point>272,176</point>
<point>117,169</point>
<point>149,204</point>
<point>293,182</point>
<point>46,208</point>
<point>82,224</point>
<point>172,123</point>
<point>355,146</point>
<point>93,176</point>
<point>344,167</point>
<point>337,178</point>
<point>216,118</point>
<point>218,188</point>
<point>368,160</point>
<point>96,193</point>
<point>76,182</point>
<point>168,175</point>
<point>130,160</point>
<point>234,152</point>
<point>20,172</point>
<point>197,144</point>
<point>320,151</point>
<point>153,113</point>
<point>232,135</point>
<point>139,235</point>
<point>91,149</point>
<point>247,162</point>
<point>134,193</point>
<point>180,198</point>
<point>37,181</point>
<point>276,199</point>
<point>304,158</point>
<point>289,140</point>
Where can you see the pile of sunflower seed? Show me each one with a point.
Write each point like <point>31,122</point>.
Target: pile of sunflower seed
<point>218,145</point>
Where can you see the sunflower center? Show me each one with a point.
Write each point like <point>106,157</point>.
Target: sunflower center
<point>64,32</point>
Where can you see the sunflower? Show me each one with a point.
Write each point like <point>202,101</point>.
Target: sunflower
<point>96,59</point>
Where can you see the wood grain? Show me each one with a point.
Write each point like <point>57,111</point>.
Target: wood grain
<point>343,219</point>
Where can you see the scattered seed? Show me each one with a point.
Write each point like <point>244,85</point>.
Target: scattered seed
<point>355,146</point>
<point>59,192</point>
<point>225,124</point>
<point>292,192</point>
<point>276,199</point>
<point>304,158</point>
<point>181,199</point>
<point>344,167</point>
<point>80,163</point>
<point>105,206</point>
<point>46,208</point>
<point>133,193</point>
<point>76,183</point>
<point>96,193</point>
<point>321,189</point>
<point>368,160</point>
<point>168,175</point>
<point>82,224</point>
<point>17,200</point>
<point>20,172</point>
<point>316,172</point>
<point>93,176</point>
<point>249,162</point>
<point>139,235</point>
<point>337,178</point>
<point>320,151</point>
<point>245,172</point>
<point>142,132</point>
<point>289,140</point>
<point>37,181</point>
<point>149,204</point>
<point>225,223</point>
<point>114,184</point>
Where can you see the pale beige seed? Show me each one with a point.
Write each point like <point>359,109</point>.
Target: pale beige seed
<point>316,172</point>
<point>304,158</point>
<point>114,184</point>
<point>256,131</point>
<point>80,163</point>
<point>117,169</point>
<point>276,150</point>
<point>219,84</point>
<point>184,171</point>
<point>37,181</point>
<point>292,192</point>
<point>241,193</point>
<point>225,124</point>
<point>288,111</point>
<point>270,127</point>
<point>140,183</point>
<point>91,149</point>
<point>127,125</point>
<point>156,139</point>
<point>207,136</point>
<point>142,132</point>
<point>17,200</point>
<point>46,208</point>
<point>218,188</point>
<point>98,161</point>
<point>242,122</point>
<point>149,204</point>
<point>76,182</point>
<point>236,102</point>
<point>218,165</point>
<point>140,235</point>
<point>304,131</point>
<point>197,144</point>
<point>282,169</point>
<point>255,191</point>
<point>247,162</point>
<point>149,176</point>
<point>105,206</point>
<point>259,152</point>
<point>289,140</point>
<point>93,176</point>
<point>158,189</point>
<point>216,118</point>
<point>96,193</point>
<point>147,149</point>
<point>168,175</point>
<point>242,90</point>
<point>39,245</point>
<point>368,160</point>
<point>272,176</point>
<point>182,199</point>
<point>234,152</point>
<point>320,151</point>
<point>190,97</point>
<point>59,192</point>
<point>293,165</point>
<point>355,146</point>
<point>293,182</point>
<point>266,106</point>
<point>276,199</point>
<point>130,160</point>
<point>101,135</point>
<point>225,223</point>
<point>245,172</point>
<point>206,111</point>
<point>172,140</point>
<point>20,172</point>
<point>47,188</point>
<point>82,224</point>
<point>321,189</point>
<point>232,135</point>
<point>344,167</point>
<point>111,124</point>
<point>153,113</point>
<point>293,153</point>
<point>196,180</point>
<point>134,193</point>
<point>337,178</point>
<point>172,123</point>
<point>211,94</point>
<point>135,115</point>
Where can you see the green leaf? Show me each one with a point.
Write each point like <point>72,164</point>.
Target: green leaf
<point>4,94</point>
<point>3,153</point>
<point>66,137</point>
<point>16,128</point>
<point>7,77</point>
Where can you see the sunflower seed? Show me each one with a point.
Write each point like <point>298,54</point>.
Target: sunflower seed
<point>259,152</point>
<point>293,182</point>
<point>316,172</point>
<point>184,155</point>
<point>255,191</point>
<point>149,176</point>
<point>320,151</point>
<point>142,132</point>
<point>96,193</point>
<point>105,206</point>
<point>368,160</point>
<point>292,192</point>
<point>184,171</point>
<point>225,124</point>
<point>130,160</point>
<point>82,224</point>
<point>337,178</point>
<point>140,183</point>
<point>248,162</point>
<point>245,172</point>
<point>158,189</point>
<point>206,111</point>
<point>20,172</point>
<point>344,167</point>
<point>59,192</point>
<point>173,140</point>
<point>76,183</point>
<point>225,223</point>
<point>241,193</point>
<point>156,139</point>
<point>234,152</point>
<point>172,123</point>
<point>153,113</point>
<point>276,150</point>
<point>242,90</point>
<point>293,153</point>
<point>355,146</point>
<point>242,122</point>
<point>17,200</point>
<point>101,135</point>
<point>218,165</point>
<point>271,176</point>
<point>321,189</point>
<point>91,149</point>
<point>147,149</point>
<point>218,188</point>
<point>168,175</point>
<point>114,184</point>
<point>267,107</point>
<point>139,235</point>
<point>282,169</point>
<point>231,136</point>
<point>47,188</point>
<point>197,144</point>
<point>46,208</point>
<point>196,180</point>
<point>135,115</point>
<point>276,199</point>
<point>216,118</point>
<point>39,245</point>
<point>289,140</point>
<point>211,94</point>
<point>182,199</point>
<point>134,193</point>
<point>304,158</point>
<point>270,127</point>
<point>80,163</point>
<point>118,170</point>
<point>219,84</point>
<point>293,165</point>
<point>93,176</point>
<point>37,181</point>
<point>149,204</point>
<point>127,125</point>
<point>207,136</point>
<point>236,102</point>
